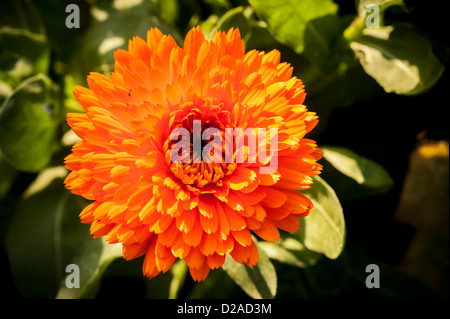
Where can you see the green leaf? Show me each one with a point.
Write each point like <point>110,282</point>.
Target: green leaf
<point>258,282</point>
<point>363,170</point>
<point>29,120</point>
<point>44,234</point>
<point>308,26</point>
<point>23,54</point>
<point>93,258</point>
<point>290,250</point>
<point>324,228</point>
<point>400,59</point>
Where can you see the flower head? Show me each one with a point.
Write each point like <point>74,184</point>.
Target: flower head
<point>187,151</point>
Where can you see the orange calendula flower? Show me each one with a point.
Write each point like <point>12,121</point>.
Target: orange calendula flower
<point>187,151</point>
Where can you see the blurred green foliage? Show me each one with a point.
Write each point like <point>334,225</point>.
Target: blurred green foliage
<point>341,61</point>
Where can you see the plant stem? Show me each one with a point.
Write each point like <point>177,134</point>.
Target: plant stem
<point>354,30</point>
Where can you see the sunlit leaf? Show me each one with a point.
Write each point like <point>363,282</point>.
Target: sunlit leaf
<point>28,124</point>
<point>258,282</point>
<point>324,228</point>
<point>290,250</point>
<point>398,58</point>
<point>363,170</point>
<point>308,26</point>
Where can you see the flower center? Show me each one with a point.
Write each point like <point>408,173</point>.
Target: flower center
<point>195,147</point>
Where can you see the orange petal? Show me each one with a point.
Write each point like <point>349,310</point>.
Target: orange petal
<point>170,236</point>
<point>201,273</point>
<point>149,266</point>
<point>243,237</point>
<point>164,264</point>
<point>240,253</point>
<point>277,213</point>
<point>223,223</point>
<point>134,250</point>
<point>209,225</point>
<point>185,222</point>
<point>293,179</point>
<point>268,231</point>
<point>180,249</point>
<point>208,244</point>
<point>241,177</point>
<point>235,221</point>
<point>206,205</point>
<point>195,258</point>
<point>224,246</point>
<point>290,223</point>
<point>194,236</point>
<point>274,198</point>
<point>254,255</point>
<point>215,260</point>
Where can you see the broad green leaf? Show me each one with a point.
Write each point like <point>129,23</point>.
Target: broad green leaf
<point>398,58</point>
<point>28,123</point>
<point>290,250</point>
<point>363,170</point>
<point>324,228</point>
<point>92,258</point>
<point>258,282</point>
<point>44,234</point>
<point>308,26</point>
<point>29,120</point>
<point>23,54</point>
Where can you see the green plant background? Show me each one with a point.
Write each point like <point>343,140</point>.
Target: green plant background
<point>379,92</point>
